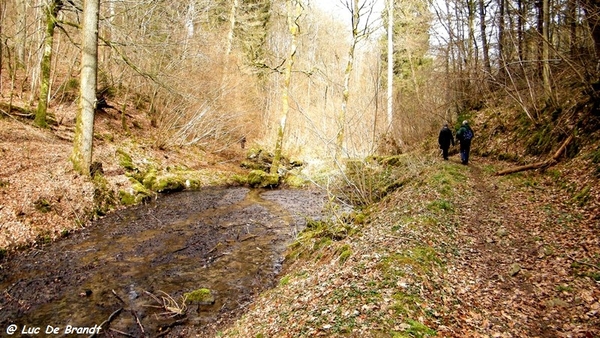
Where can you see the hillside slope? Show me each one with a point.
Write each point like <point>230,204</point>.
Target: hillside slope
<point>41,196</point>
<point>456,252</point>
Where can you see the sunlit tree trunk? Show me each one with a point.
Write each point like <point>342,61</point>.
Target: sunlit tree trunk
<point>21,33</point>
<point>84,128</point>
<point>390,64</point>
<point>341,118</point>
<point>472,45</point>
<point>501,38</point>
<point>294,9</point>
<point>232,16</point>
<point>484,43</point>
<point>51,10</point>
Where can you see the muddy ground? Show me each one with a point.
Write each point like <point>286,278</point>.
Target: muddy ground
<point>129,271</point>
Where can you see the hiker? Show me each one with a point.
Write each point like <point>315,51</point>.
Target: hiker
<point>445,139</point>
<point>464,135</point>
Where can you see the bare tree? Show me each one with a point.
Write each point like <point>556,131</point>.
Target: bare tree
<point>84,129</point>
<point>294,10</point>
<point>359,10</point>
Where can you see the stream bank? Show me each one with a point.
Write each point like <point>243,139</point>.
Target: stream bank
<point>130,271</point>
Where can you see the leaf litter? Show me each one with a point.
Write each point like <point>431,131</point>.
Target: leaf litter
<point>457,252</point>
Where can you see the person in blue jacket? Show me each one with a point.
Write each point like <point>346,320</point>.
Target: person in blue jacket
<point>464,135</point>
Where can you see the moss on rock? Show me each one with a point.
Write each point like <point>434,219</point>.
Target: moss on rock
<point>169,183</point>
<point>149,179</point>
<point>104,197</point>
<point>200,296</point>
<point>261,179</point>
<point>125,160</point>
<point>136,194</point>
<point>296,181</point>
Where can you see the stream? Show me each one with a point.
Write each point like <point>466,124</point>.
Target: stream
<point>131,269</point>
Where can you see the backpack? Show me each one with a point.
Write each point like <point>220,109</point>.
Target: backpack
<point>468,134</point>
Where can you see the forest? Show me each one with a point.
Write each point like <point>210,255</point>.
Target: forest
<point>108,106</point>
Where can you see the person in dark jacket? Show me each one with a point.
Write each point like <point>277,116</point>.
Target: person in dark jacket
<point>445,139</point>
<point>464,135</point>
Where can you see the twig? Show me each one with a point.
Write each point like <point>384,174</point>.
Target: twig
<point>164,333</point>
<point>121,332</point>
<point>137,320</point>
<point>12,116</point>
<point>248,237</point>
<point>181,249</point>
<point>214,248</point>
<point>108,321</point>
<point>584,263</point>
<point>119,298</point>
<point>159,221</point>
<point>170,326</point>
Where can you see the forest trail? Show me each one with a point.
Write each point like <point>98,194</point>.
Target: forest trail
<point>455,252</point>
<point>521,268</point>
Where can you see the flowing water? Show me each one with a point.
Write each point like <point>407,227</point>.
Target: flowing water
<point>228,240</point>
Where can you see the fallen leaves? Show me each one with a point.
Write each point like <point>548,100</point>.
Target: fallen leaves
<point>506,267</point>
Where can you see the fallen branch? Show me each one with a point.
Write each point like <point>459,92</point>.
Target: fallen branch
<point>543,164</point>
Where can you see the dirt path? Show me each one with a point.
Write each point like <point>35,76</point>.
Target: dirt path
<point>516,274</point>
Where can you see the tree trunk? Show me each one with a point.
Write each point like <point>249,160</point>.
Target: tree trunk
<point>294,9</point>
<point>51,9</point>
<point>592,13</point>
<point>520,27</point>
<point>484,43</point>
<point>501,39</point>
<point>473,48</point>
<point>390,68</point>
<point>341,119</point>
<point>540,33</point>
<point>84,129</point>
<point>2,20</point>
<point>232,16</point>
<point>546,49</point>
<point>21,33</point>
